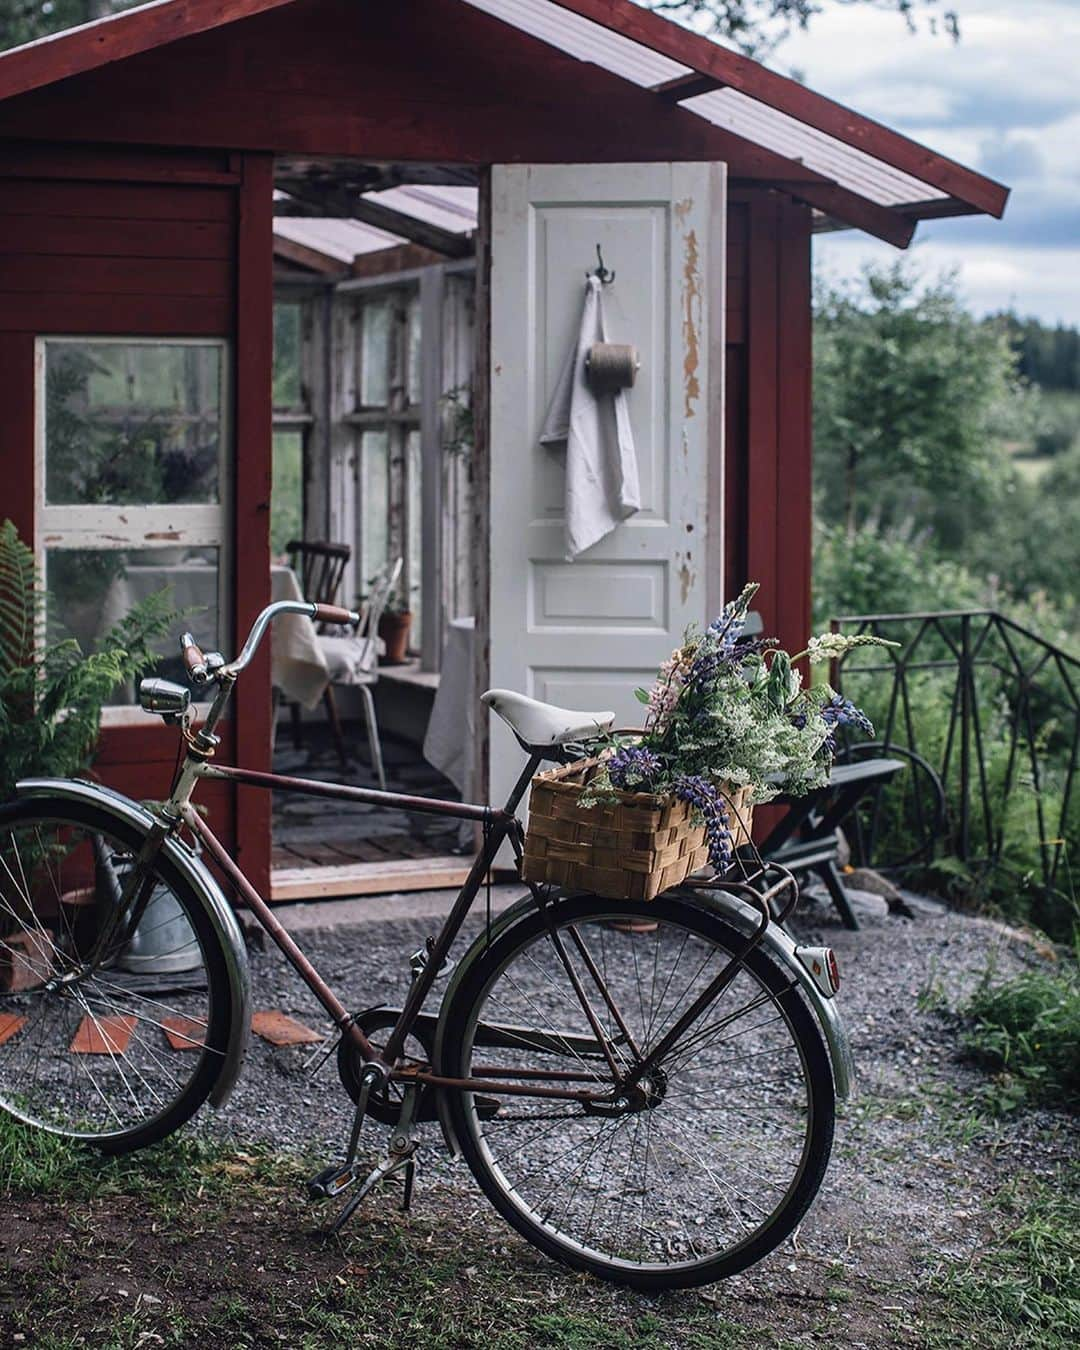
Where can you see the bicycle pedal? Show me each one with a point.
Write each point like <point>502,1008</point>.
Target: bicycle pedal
<point>487,1108</point>
<point>330,1181</point>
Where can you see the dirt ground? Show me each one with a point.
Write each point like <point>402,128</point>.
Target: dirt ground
<point>208,1242</point>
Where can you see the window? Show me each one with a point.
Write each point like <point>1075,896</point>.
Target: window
<point>132,484</point>
<point>292,420</point>
<point>386,421</point>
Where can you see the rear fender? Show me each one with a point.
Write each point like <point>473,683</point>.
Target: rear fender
<point>194,871</point>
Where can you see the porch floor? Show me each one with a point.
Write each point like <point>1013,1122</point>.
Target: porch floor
<point>311,831</point>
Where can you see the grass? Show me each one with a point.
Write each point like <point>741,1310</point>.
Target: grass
<point>1026,1031</point>
<point>1024,1291</point>
<point>194,1243</point>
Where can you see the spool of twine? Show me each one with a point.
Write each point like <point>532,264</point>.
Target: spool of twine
<point>611,366</point>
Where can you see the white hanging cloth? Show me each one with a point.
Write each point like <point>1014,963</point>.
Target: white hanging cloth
<point>601,466</point>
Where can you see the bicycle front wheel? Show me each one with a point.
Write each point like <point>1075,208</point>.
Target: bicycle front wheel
<point>716,1156</point>
<point>110,1042</point>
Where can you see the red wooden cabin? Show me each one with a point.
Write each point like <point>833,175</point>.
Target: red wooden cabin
<point>138,162</point>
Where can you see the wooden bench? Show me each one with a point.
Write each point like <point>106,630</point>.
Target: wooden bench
<point>807,839</point>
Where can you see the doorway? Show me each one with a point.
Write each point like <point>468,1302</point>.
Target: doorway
<point>373,377</point>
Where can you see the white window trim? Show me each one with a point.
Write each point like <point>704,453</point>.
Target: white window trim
<point>196,525</point>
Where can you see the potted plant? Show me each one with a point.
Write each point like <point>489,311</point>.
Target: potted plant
<point>729,724</point>
<point>394,624</point>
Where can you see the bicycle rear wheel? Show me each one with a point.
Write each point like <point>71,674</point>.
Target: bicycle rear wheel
<point>712,1163</point>
<point>112,1043</point>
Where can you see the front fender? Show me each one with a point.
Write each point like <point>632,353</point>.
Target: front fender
<point>782,949</point>
<point>733,911</point>
<point>194,871</point>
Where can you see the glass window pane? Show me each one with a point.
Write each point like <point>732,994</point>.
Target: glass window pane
<point>287,335</point>
<point>375,353</point>
<point>87,591</point>
<point>412,382</point>
<point>414,533</point>
<point>287,492</point>
<point>374,503</point>
<point>129,423</point>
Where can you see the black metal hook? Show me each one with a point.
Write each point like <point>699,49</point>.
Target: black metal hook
<point>600,272</point>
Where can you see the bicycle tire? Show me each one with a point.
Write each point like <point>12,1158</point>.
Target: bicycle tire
<point>499,1173</point>
<point>69,1091</point>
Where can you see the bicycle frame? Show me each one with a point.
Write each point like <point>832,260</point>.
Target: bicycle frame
<point>499,825</point>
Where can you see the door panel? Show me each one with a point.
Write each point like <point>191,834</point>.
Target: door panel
<point>587,633</point>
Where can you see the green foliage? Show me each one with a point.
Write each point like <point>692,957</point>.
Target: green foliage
<point>1023,1291</point>
<point>1027,1032</point>
<point>287,490</point>
<point>910,393</point>
<point>757,27</point>
<point>1049,357</point>
<point>51,693</point>
<point>887,570</point>
<point>729,710</point>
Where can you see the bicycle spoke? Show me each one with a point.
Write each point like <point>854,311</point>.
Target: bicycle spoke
<point>681,1166</point>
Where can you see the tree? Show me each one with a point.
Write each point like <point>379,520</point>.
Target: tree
<point>24,20</point>
<point>756,27</point>
<point>914,402</point>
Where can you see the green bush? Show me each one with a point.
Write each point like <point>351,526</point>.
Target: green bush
<point>886,570</point>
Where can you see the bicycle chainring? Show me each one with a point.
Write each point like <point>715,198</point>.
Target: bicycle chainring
<point>384,1104</point>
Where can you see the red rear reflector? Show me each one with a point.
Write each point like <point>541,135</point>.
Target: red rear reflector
<point>833,969</point>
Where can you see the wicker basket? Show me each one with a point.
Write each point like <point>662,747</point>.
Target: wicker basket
<point>632,849</point>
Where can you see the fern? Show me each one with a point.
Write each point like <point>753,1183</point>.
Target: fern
<point>51,692</point>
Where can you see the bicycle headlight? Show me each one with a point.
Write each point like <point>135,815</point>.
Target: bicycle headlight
<point>164,698</point>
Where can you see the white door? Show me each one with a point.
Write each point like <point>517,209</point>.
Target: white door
<point>585,634</point>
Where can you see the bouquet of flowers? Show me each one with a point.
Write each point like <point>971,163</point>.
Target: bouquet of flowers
<point>727,712</point>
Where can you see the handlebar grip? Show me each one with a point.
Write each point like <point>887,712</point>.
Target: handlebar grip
<point>334,614</point>
<point>194,659</point>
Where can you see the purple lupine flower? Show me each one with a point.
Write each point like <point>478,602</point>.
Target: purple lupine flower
<point>632,766</point>
<point>706,666</point>
<point>704,798</point>
<point>841,712</point>
<point>726,629</point>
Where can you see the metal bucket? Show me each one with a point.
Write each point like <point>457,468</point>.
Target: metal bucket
<point>164,941</point>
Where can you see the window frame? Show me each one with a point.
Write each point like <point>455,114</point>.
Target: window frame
<point>399,418</point>
<point>132,526</point>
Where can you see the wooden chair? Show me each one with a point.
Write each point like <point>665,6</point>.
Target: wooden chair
<point>319,566</point>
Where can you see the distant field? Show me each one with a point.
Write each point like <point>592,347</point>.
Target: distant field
<point>1062,430</point>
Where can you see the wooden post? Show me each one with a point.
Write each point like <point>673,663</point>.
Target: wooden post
<point>251,497</point>
<point>481,522</point>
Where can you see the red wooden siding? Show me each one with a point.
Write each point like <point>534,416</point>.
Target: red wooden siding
<point>768,415</point>
<point>123,256</point>
<point>431,80</point>
<point>254,411</point>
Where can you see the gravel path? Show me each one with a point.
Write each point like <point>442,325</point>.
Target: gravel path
<point>908,1184</point>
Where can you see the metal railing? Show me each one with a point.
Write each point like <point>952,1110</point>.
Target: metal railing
<point>991,710</point>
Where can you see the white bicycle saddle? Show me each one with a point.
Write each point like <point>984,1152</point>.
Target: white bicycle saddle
<point>540,724</point>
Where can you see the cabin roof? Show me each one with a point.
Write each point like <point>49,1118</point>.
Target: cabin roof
<point>873,177</point>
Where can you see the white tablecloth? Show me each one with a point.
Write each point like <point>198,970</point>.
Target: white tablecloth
<point>450,742</point>
<point>297,665</point>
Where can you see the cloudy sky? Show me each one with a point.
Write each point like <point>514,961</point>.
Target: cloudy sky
<point>1006,101</point>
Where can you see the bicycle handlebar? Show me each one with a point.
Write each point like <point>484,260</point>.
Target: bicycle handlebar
<point>194,659</point>
<point>196,662</point>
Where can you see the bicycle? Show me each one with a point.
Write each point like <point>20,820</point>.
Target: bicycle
<point>654,1107</point>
